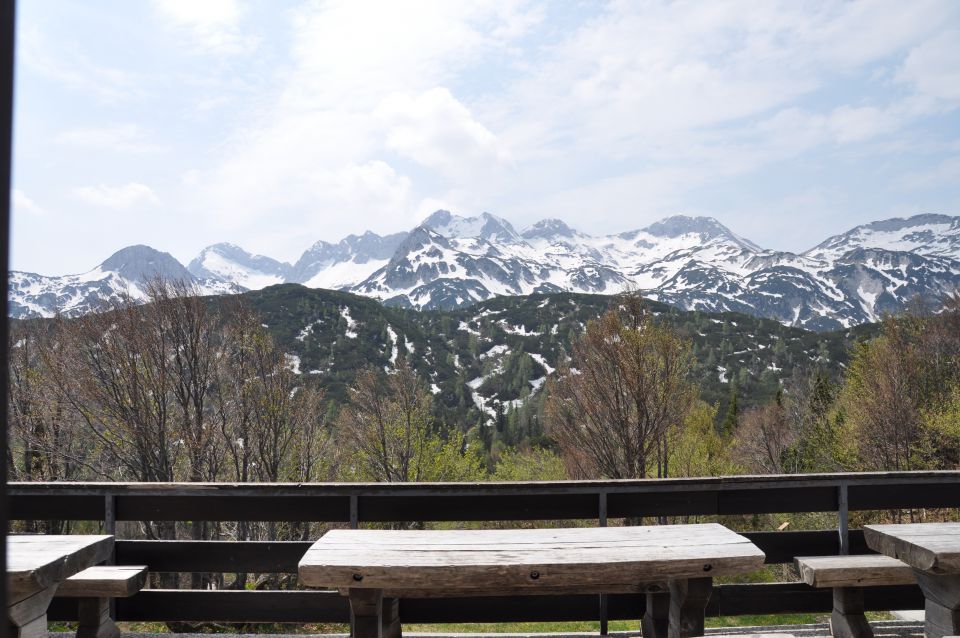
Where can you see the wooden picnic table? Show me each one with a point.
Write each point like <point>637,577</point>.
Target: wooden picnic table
<point>377,567</point>
<point>933,551</point>
<point>36,565</point>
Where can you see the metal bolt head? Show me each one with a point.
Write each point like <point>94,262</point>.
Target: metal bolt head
<point>358,577</point>
<point>534,575</point>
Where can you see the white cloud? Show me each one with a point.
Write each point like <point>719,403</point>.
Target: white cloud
<point>73,69</point>
<point>123,138</point>
<point>363,81</point>
<point>213,24</point>
<point>438,131</point>
<point>119,198</point>
<point>22,204</point>
<point>945,173</point>
<point>933,68</point>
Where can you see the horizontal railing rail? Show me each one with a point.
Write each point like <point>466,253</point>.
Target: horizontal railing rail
<point>358,503</point>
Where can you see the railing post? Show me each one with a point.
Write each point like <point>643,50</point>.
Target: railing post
<point>110,527</point>
<point>354,513</point>
<point>602,512</point>
<point>110,521</point>
<point>843,514</point>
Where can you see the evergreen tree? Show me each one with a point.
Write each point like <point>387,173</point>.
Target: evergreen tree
<point>729,424</point>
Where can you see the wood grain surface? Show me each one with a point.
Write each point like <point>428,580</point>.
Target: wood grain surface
<point>526,558</point>
<point>929,547</point>
<point>35,562</point>
<point>868,570</point>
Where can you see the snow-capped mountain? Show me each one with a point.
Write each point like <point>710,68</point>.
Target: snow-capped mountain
<point>231,264</point>
<point>448,261</point>
<point>124,274</point>
<point>485,226</point>
<point>344,264</point>
<point>924,234</point>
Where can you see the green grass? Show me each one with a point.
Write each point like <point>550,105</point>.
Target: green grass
<point>616,626</point>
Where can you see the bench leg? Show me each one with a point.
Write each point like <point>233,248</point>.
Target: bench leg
<point>847,619</point>
<point>942,611</point>
<point>28,613</point>
<point>94,619</point>
<point>656,617</point>
<point>366,613</point>
<point>688,600</point>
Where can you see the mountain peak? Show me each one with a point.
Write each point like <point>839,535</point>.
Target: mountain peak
<point>230,263</point>
<point>484,225</point>
<point>140,263</point>
<point>927,233</point>
<point>547,228</point>
<point>677,225</point>
<point>707,227</point>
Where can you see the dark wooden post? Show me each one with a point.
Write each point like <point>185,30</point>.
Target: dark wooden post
<point>366,613</point>
<point>602,513</point>
<point>843,517</point>
<point>847,619</point>
<point>688,600</point>
<point>942,611</point>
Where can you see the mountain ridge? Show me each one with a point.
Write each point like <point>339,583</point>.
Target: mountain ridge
<point>450,261</point>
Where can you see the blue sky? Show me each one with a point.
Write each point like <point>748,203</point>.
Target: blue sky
<point>181,123</point>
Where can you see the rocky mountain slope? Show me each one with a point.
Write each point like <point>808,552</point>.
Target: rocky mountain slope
<point>484,361</point>
<point>123,275</point>
<point>693,263</point>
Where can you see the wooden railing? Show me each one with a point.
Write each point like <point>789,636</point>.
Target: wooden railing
<point>357,503</point>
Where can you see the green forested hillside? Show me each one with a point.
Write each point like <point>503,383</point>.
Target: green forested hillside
<point>488,363</point>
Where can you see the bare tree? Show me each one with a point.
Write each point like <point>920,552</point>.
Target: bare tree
<point>194,340</point>
<point>112,370</point>
<point>764,442</point>
<point>387,423</point>
<point>627,384</point>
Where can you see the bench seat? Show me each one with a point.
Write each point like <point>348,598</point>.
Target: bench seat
<point>848,576</point>
<point>95,587</point>
<point>867,570</point>
<point>105,581</point>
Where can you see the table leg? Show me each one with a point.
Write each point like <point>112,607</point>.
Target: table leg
<point>942,610</point>
<point>656,617</point>
<point>28,613</point>
<point>366,613</point>
<point>688,600</point>
<point>391,618</point>
<point>848,619</point>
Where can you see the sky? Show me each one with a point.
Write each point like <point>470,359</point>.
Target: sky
<point>272,125</point>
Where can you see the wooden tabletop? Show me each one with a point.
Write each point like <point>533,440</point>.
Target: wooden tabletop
<point>524,558</point>
<point>930,547</point>
<point>35,562</point>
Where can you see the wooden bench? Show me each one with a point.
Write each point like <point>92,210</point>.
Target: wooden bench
<point>848,576</point>
<point>95,587</point>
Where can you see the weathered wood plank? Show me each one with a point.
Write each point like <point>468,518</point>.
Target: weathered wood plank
<point>569,590</point>
<point>853,571</point>
<point>105,581</point>
<point>36,562</point>
<point>930,547</point>
<point>459,559</point>
<point>483,501</point>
